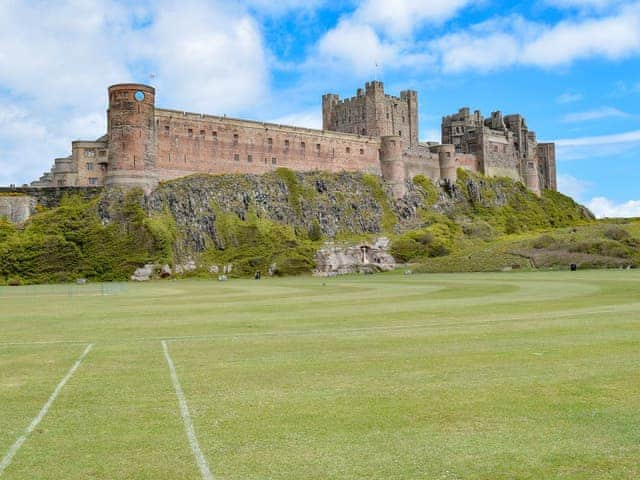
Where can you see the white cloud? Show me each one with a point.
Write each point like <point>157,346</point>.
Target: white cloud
<point>478,49</point>
<point>611,37</point>
<point>508,41</point>
<point>61,54</point>
<point>603,207</point>
<point>572,186</point>
<point>597,146</point>
<point>379,32</point>
<point>597,114</point>
<point>401,17</point>
<point>57,59</point>
<point>356,45</point>
<point>205,57</point>
<point>569,97</point>
<point>618,138</point>
<point>584,4</point>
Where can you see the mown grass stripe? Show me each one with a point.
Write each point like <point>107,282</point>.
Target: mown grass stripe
<point>203,466</point>
<point>7,459</point>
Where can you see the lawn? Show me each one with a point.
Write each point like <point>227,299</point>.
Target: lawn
<point>517,375</point>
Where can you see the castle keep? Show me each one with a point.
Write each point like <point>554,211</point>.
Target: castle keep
<point>372,132</point>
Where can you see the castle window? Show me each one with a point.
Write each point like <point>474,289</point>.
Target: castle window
<point>273,160</point>
<point>286,144</point>
<point>403,119</point>
<point>61,182</point>
<point>362,151</point>
<point>364,132</point>
<point>102,153</point>
<point>348,149</point>
<point>318,147</point>
<point>89,166</point>
<point>166,130</point>
<point>202,133</point>
<point>303,146</point>
<point>93,181</point>
<point>399,133</point>
<point>387,115</point>
<point>190,132</point>
<point>236,157</point>
<point>90,153</point>
<point>250,158</point>
<point>235,139</point>
<point>214,136</point>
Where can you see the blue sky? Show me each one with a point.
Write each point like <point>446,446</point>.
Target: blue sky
<point>571,67</point>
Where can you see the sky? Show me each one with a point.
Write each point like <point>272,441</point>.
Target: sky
<point>571,67</point>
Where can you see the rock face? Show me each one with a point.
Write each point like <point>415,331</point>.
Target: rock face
<point>363,258</point>
<point>350,204</point>
<point>17,208</point>
<point>340,203</point>
<point>143,274</point>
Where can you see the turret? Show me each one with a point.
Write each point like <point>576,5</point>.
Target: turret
<point>132,139</point>
<point>392,165</point>
<point>446,157</point>
<point>531,176</point>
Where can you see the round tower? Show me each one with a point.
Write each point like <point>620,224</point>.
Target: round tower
<point>447,160</point>
<point>392,165</point>
<point>132,139</point>
<point>531,176</point>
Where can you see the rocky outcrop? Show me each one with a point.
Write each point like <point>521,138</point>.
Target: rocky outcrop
<point>335,259</point>
<point>339,203</point>
<point>17,208</point>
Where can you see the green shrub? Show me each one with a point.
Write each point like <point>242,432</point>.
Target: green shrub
<point>607,248</point>
<point>254,244</point>
<point>617,233</point>
<point>431,192</point>
<point>315,232</point>
<point>406,249</point>
<point>70,241</point>
<point>544,241</point>
<point>389,219</point>
<point>293,188</point>
<point>478,229</point>
<point>7,229</point>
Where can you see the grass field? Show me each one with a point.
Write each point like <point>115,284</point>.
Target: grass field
<point>459,376</point>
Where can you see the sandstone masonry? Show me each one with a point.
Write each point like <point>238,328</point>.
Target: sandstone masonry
<point>372,132</point>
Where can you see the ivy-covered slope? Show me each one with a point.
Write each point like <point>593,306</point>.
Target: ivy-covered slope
<point>71,241</point>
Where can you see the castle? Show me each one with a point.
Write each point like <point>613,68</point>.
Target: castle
<point>372,132</point>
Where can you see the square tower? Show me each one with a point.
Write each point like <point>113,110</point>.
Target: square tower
<point>373,113</point>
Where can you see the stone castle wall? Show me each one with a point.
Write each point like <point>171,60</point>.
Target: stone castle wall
<point>372,132</point>
<point>195,143</point>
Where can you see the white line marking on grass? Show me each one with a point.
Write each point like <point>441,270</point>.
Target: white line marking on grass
<point>186,418</point>
<point>6,461</point>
